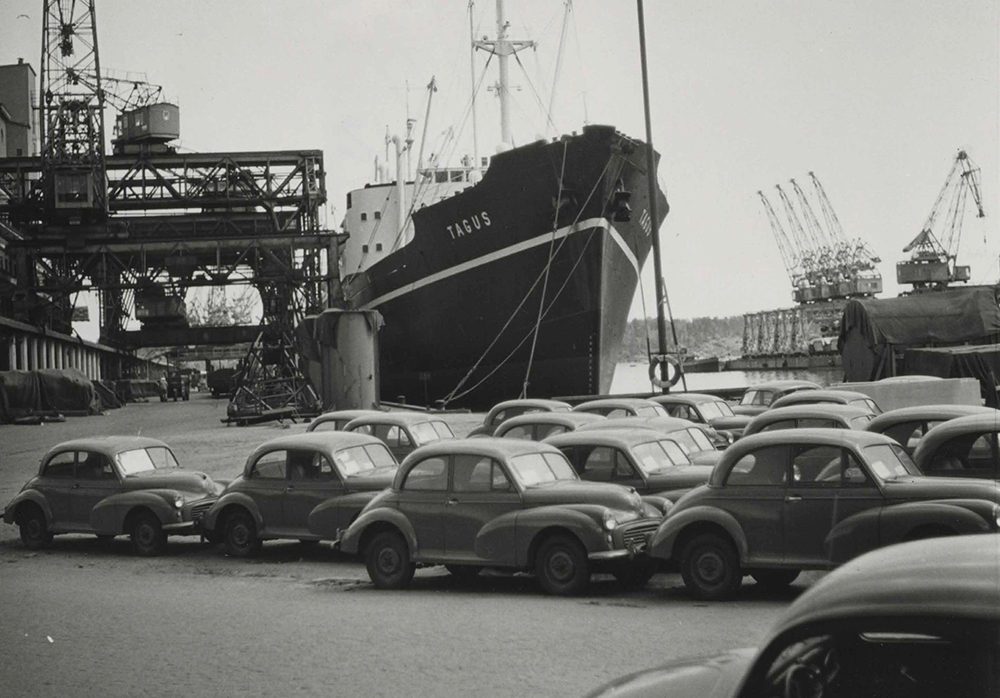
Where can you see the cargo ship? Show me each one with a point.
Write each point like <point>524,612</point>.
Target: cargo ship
<point>506,276</point>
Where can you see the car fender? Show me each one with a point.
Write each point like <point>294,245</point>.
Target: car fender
<point>337,512</point>
<point>661,501</point>
<point>108,515</point>
<point>898,520</point>
<point>673,495</point>
<point>27,496</point>
<point>854,535</point>
<point>211,519</point>
<point>351,542</point>
<point>662,544</point>
<point>579,520</point>
<point>497,540</point>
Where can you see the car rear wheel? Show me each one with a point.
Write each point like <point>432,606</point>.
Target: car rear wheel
<point>388,561</point>
<point>562,566</point>
<point>710,567</point>
<point>34,529</point>
<point>148,536</point>
<point>464,573</point>
<point>775,579</point>
<point>241,535</point>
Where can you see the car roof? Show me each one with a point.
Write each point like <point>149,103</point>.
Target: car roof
<point>487,446</point>
<point>108,445</point>
<point>345,414</point>
<point>326,441</point>
<point>817,411</point>
<point>614,402</point>
<point>784,384</point>
<point>827,437</point>
<point>619,438</point>
<point>528,402</point>
<point>569,419</point>
<point>953,577</point>
<point>659,422</point>
<point>685,398</point>
<point>922,412</point>
<point>824,393</point>
<point>956,427</point>
<point>395,418</point>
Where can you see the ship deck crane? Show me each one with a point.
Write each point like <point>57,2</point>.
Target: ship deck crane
<point>932,261</point>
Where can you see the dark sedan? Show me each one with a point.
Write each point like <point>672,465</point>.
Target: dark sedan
<point>540,425</point>
<point>832,397</point>
<point>507,409</point>
<point>110,486</point>
<point>651,463</point>
<point>696,440</point>
<point>895,622</point>
<point>402,432</point>
<point>962,447</point>
<point>503,503</point>
<point>907,425</point>
<point>785,501</point>
<point>286,478</point>
<point>820,416</point>
<point>758,398</point>
<point>705,409</point>
<point>337,420</point>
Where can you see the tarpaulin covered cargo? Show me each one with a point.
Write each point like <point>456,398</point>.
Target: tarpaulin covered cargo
<point>27,393</point>
<point>979,361</point>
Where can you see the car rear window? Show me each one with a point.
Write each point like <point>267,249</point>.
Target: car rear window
<point>860,422</point>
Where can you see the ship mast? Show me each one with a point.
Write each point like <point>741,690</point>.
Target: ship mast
<point>503,48</point>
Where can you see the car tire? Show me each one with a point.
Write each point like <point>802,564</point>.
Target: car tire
<point>464,573</point>
<point>562,567</point>
<point>388,561</point>
<point>148,537</point>
<point>636,574</point>
<point>241,535</point>
<point>33,527</point>
<point>775,579</point>
<point>710,567</point>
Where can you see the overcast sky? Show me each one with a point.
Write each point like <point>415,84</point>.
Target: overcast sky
<point>875,97</point>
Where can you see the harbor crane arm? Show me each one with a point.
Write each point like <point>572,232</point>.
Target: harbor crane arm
<point>816,231</point>
<point>789,255</point>
<point>832,222</point>
<point>808,252</point>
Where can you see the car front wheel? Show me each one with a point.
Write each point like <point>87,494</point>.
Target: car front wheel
<point>388,561</point>
<point>241,535</point>
<point>562,567</point>
<point>710,567</point>
<point>148,536</point>
<point>34,529</point>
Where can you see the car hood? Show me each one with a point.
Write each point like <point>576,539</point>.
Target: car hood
<point>708,677</point>
<point>737,421</point>
<point>923,487</point>
<point>172,479</point>
<point>681,476</point>
<point>752,410</point>
<point>705,457</point>
<point>377,479</point>
<point>583,492</point>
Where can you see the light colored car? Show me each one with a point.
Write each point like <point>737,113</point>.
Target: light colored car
<point>706,409</point>
<point>758,398</point>
<point>613,407</point>
<point>508,409</point>
<point>832,397</point>
<point>907,425</point>
<point>818,416</point>
<point>696,440</point>
<point>338,419</point>
<point>962,447</point>
<point>402,432</point>
<point>540,425</point>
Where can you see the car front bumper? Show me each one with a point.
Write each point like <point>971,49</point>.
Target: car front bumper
<point>628,541</point>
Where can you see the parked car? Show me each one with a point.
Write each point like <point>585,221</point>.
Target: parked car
<point>706,409</point>
<point>286,478</point>
<point>962,447</point>
<point>696,440</point>
<point>178,386</point>
<point>338,419</point>
<point>907,425</point>
<point>110,486</point>
<point>895,622</point>
<point>649,462</point>
<point>503,411</point>
<point>796,499</point>
<point>613,407</point>
<point>540,425</point>
<point>758,398</point>
<point>834,397</point>
<point>819,416</point>
<point>504,503</point>
<point>402,432</point>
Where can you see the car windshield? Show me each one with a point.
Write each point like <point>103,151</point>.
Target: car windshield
<point>860,422</point>
<point>657,456</point>
<point>699,438</point>
<point>426,432</point>
<point>358,460</point>
<point>714,410</point>
<point>868,404</point>
<point>890,461</point>
<point>141,460</point>
<point>651,411</point>
<point>562,409</point>
<point>537,468</point>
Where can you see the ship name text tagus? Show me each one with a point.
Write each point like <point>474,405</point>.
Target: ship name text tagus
<point>467,226</point>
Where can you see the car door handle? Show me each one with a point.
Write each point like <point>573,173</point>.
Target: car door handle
<point>451,502</point>
<point>76,485</point>
<point>793,498</point>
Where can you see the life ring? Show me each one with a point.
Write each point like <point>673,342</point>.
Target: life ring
<point>673,371</point>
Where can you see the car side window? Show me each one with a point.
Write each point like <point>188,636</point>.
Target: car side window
<point>328,425</point>
<point>60,465</point>
<point>907,434</point>
<point>270,466</point>
<point>94,466</point>
<point>430,474</point>
<point>618,412</point>
<point>543,431</point>
<point>853,475</point>
<point>499,417</point>
<point>763,398</point>
<point>599,464</point>
<point>816,465</point>
<point>498,479</point>
<point>623,469</point>
<point>777,426</point>
<point>965,452</point>
<point>817,423</point>
<point>363,429</point>
<point>749,398</point>
<point>765,466</point>
<point>521,431</point>
<point>472,474</point>
<point>309,465</point>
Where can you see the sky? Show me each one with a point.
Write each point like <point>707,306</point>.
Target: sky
<point>875,97</point>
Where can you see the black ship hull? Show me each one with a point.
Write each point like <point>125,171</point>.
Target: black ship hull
<point>462,300</point>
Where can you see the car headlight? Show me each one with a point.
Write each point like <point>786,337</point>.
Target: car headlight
<point>610,522</point>
<point>178,501</point>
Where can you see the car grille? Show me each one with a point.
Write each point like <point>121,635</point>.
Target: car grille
<point>198,510</point>
<point>636,535</point>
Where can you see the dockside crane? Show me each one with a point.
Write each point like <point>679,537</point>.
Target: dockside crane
<point>789,253</point>
<point>855,257</point>
<point>932,260</point>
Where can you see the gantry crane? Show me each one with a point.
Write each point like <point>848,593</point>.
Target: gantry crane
<point>932,260</point>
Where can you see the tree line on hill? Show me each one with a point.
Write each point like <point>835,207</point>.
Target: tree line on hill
<point>702,337</point>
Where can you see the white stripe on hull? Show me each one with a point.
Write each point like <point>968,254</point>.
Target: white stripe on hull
<point>580,226</point>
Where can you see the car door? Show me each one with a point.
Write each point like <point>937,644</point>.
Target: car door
<point>754,493</point>
<point>827,486</point>
<point>95,480</point>
<point>480,492</point>
<point>55,483</point>
<point>966,455</point>
<point>311,481</point>
<point>266,485</point>
<point>627,474</point>
<point>422,499</point>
